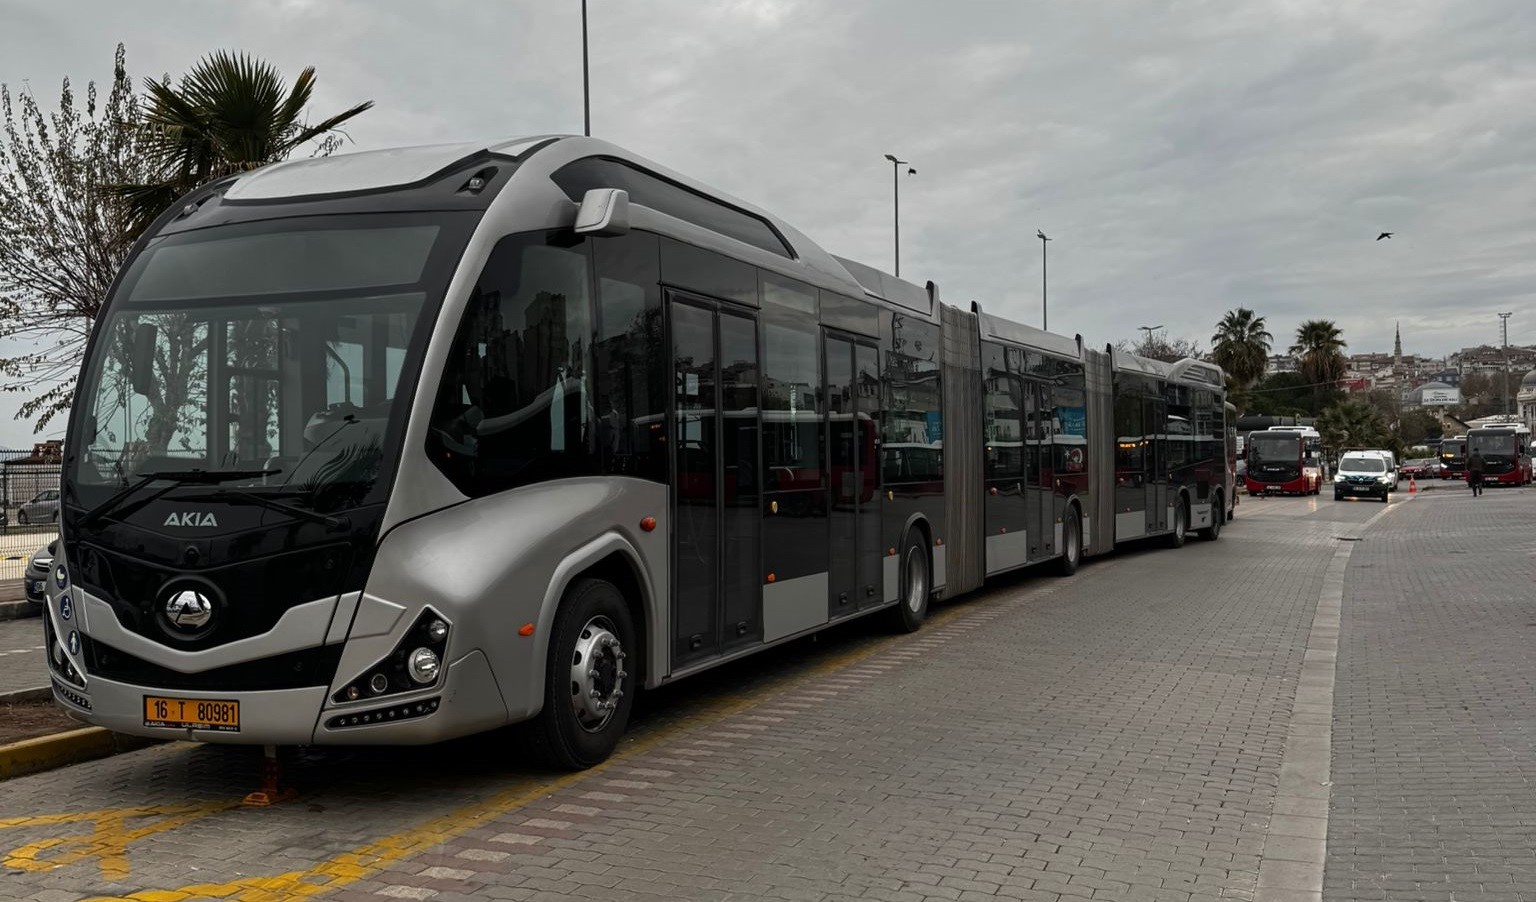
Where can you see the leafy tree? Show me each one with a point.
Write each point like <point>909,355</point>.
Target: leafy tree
<point>1320,345</point>
<point>231,113</point>
<point>1418,426</point>
<point>65,231</point>
<point>1354,424</point>
<point>1241,346</point>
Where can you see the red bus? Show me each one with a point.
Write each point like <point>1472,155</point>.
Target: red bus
<point>1278,464</point>
<point>1506,451</point>
<point>1453,458</point>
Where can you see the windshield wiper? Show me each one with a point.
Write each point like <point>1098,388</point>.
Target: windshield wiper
<point>335,523</point>
<point>176,478</point>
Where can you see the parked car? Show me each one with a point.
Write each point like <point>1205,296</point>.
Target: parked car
<point>35,580</point>
<point>1421,468</point>
<point>42,509</point>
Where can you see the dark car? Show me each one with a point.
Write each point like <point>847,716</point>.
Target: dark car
<point>35,580</point>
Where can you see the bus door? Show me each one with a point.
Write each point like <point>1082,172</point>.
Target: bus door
<point>716,523</point>
<point>1155,416</point>
<point>854,512</point>
<point>1039,469</point>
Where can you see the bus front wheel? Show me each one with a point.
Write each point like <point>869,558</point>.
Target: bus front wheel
<point>588,687</point>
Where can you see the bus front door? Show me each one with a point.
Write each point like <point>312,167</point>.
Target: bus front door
<point>716,582</point>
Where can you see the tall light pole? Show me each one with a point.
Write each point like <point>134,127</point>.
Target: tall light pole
<point>1045,320</point>
<point>896,201</point>
<point>1146,338</point>
<point>1504,344</point>
<point>586,81</point>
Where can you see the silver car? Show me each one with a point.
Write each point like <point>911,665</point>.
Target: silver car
<point>42,509</point>
<point>35,580</point>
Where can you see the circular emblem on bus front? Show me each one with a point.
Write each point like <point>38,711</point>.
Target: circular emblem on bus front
<point>188,611</point>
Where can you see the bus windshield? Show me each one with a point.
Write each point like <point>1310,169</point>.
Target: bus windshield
<point>276,348</point>
<point>1500,443</point>
<point>1274,447</point>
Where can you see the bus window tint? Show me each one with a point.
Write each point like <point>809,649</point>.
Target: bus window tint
<point>791,418</point>
<point>912,427</point>
<point>631,396</point>
<point>514,406</point>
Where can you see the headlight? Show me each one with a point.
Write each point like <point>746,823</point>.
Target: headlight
<point>422,665</point>
<point>1384,480</point>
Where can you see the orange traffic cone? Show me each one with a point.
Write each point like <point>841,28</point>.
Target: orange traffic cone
<point>1413,486</point>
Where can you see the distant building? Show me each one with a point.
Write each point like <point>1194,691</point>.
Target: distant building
<point>1527,400</point>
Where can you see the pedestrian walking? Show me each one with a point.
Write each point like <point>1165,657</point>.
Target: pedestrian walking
<point>1475,472</point>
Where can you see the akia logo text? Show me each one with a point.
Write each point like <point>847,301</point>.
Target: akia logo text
<point>191,518</point>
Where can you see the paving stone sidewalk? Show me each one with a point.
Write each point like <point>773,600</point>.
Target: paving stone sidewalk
<point>1116,735</point>
<point>1434,737</point>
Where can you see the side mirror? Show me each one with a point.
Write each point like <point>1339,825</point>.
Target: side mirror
<point>142,358</point>
<point>603,212</point>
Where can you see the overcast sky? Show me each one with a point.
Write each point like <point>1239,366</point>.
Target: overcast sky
<point>1186,157</point>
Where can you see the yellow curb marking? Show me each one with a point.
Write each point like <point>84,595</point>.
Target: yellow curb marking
<point>110,838</point>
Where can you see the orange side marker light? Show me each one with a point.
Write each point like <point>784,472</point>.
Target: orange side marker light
<point>525,630</point>
<point>647,524</point>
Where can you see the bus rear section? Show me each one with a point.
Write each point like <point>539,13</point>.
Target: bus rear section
<point>1506,452</point>
<point>1453,458</point>
<point>1277,465</point>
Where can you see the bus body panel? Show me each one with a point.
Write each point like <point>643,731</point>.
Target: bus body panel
<point>495,567</point>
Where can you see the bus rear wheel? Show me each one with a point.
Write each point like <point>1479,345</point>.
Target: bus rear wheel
<point>1218,514</point>
<point>588,690</point>
<point>1180,525</point>
<point>916,585</point>
<point>1071,543</point>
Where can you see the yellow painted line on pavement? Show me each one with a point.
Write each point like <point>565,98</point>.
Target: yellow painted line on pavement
<point>112,833</point>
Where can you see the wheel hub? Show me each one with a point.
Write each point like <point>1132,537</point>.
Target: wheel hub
<point>597,674</point>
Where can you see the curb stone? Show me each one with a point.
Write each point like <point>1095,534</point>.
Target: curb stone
<point>30,756</point>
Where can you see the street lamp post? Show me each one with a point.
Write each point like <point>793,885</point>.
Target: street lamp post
<point>1146,339</point>
<point>1045,320</point>
<point>586,81</point>
<point>1504,344</point>
<point>896,201</point>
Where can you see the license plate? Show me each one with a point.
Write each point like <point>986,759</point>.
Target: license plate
<point>217,715</point>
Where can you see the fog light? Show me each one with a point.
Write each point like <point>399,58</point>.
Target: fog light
<point>378,683</point>
<point>437,631</point>
<point>422,665</point>
<point>353,693</point>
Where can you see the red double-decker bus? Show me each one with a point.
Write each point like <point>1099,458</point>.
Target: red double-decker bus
<point>1506,451</point>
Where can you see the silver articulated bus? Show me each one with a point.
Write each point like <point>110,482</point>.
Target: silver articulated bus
<point>399,446</point>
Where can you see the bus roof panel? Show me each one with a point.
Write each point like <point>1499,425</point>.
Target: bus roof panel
<point>999,329</point>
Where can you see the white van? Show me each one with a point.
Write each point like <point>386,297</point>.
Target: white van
<point>1367,473</point>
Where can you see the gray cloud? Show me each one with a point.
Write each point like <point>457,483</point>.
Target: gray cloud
<point>1188,157</point>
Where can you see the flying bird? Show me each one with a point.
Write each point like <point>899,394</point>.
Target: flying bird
<point>1383,235</point>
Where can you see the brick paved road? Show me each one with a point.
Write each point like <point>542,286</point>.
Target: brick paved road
<point>1435,708</point>
<point>1118,735</point>
<point>21,655</point>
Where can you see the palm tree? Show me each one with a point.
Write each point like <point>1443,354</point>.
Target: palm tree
<point>1353,425</point>
<point>1321,346</point>
<point>231,113</point>
<point>1241,346</point>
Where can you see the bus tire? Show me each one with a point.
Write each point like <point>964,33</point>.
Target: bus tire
<point>1180,525</point>
<point>916,584</point>
<point>1218,514</point>
<point>1071,543</point>
<point>588,693</point>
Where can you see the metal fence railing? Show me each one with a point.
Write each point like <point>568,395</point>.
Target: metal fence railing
<point>29,505</point>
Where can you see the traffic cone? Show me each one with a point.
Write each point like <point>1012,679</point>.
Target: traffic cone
<point>1413,486</point>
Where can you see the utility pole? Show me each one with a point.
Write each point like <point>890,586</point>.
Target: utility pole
<point>1045,320</point>
<point>1504,345</point>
